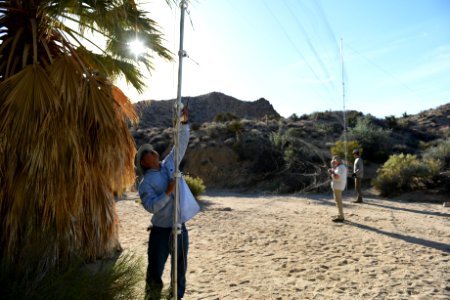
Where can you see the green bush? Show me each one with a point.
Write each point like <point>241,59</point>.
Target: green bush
<point>340,147</point>
<point>404,173</point>
<point>440,152</point>
<point>196,185</point>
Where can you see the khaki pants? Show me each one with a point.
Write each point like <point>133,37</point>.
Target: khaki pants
<point>338,198</point>
<point>358,188</point>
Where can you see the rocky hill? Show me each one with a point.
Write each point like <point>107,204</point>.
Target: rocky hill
<point>202,109</point>
<point>431,123</point>
<point>257,152</point>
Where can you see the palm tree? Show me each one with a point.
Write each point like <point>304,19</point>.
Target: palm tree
<point>64,141</point>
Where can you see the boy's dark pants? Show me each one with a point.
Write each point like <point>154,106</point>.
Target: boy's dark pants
<point>358,182</point>
<point>159,248</point>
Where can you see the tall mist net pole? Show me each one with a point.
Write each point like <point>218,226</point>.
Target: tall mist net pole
<point>343,103</point>
<point>176,228</point>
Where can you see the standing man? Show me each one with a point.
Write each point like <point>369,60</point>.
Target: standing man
<point>358,174</point>
<point>338,173</point>
<point>156,191</point>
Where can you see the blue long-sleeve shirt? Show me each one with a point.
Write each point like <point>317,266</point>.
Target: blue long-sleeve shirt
<point>153,186</point>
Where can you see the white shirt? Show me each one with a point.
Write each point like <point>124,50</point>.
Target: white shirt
<point>341,180</point>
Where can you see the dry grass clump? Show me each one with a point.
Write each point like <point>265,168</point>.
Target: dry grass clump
<point>107,279</point>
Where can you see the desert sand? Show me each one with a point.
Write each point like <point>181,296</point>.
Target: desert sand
<point>286,247</point>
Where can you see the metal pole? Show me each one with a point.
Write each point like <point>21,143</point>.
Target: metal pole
<point>176,228</point>
<point>343,103</point>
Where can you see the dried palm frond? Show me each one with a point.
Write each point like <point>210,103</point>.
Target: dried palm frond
<point>64,142</point>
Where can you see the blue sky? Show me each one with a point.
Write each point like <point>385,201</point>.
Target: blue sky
<point>396,54</point>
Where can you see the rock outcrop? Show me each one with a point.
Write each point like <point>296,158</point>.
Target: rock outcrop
<point>202,109</point>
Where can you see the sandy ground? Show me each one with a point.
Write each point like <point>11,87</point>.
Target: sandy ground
<point>286,247</point>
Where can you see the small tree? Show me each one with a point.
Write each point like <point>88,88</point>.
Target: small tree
<point>373,138</point>
<point>341,148</point>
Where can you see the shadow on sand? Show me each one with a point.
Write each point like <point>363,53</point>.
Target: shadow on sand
<point>410,239</point>
<point>423,212</point>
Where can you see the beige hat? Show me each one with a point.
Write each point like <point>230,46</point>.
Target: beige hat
<point>137,160</point>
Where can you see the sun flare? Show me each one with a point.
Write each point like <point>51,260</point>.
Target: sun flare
<point>137,47</point>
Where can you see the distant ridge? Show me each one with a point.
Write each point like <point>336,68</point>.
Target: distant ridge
<point>249,156</point>
<point>158,113</point>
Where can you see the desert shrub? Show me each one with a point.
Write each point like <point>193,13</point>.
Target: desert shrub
<point>329,128</point>
<point>74,281</point>
<point>326,115</point>
<point>352,117</point>
<point>294,133</point>
<point>298,163</point>
<point>267,159</point>
<point>391,122</point>
<point>297,150</point>
<point>340,148</point>
<point>440,152</point>
<point>235,127</point>
<point>404,123</point>
<point>195,126</point>
<point>277,139</point>
<point>404,173</point>
<point>225,117</point>
<point>374,139</point>
<point>294,117</point>
<point>249,146</point>
<point>445,132</point>
<point>216,129</point>
<point>274,117</point>
<point>195,184</point>
<point>294,148</point>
